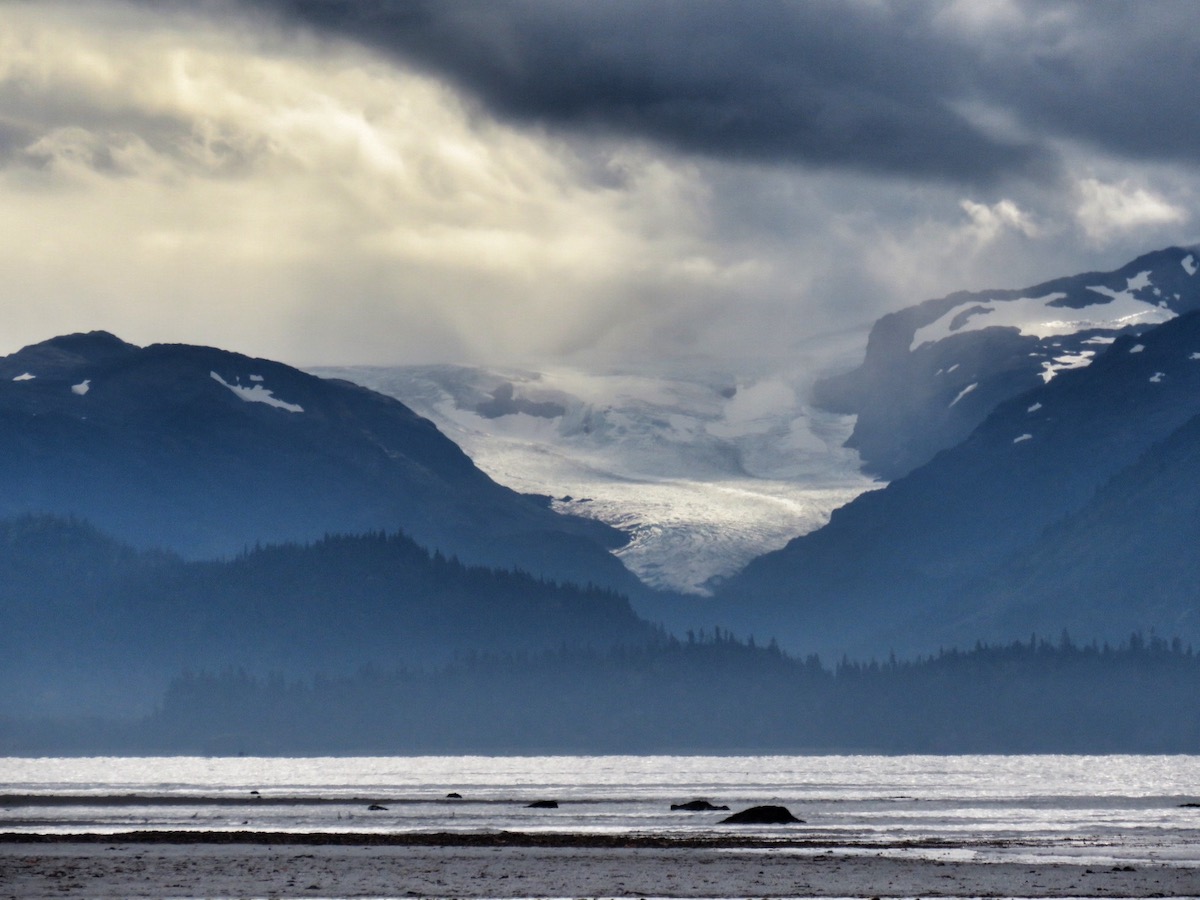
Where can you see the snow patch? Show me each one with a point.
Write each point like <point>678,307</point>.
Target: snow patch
<point>1079,360</point>
<point>1157,377</point>
<point>1189,264</point>
<point>1034,408</point>
<point>1100,339</point>
<point>1024,437</point>
<point>1137,348</point>
<point>952,368</point>
<point>1035,316</point>
<point>256,378</point>
<point>1138,282</point>
<point>25,377</point>
<point>82,388</point>
<point>963,393</point>
<point>256,394</point>
<point>1194,356</point>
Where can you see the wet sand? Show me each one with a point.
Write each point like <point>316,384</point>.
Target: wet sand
<point>200,864</point>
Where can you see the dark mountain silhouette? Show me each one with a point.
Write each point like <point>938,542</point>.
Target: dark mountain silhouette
<point>1070,505</point>
<point>1128,555</point>
<point>87,624</point>
<point>935,371</point>
<point>714,694</point>
<point>204,453</point>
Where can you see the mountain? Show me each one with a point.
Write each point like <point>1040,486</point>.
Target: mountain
<point>1128,555</point>
<point>703,470</point>
<point>933,372</point>
<point>90,625</point>
<point>1050,514</point>
<point>205,452</point>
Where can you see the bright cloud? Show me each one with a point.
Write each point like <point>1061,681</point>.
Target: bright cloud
<point>989,221</point>
<point>317,189</point>
<point>170,187</point>
<point>1106,210</point>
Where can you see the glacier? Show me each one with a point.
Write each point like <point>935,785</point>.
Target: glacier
<point>703,472</point>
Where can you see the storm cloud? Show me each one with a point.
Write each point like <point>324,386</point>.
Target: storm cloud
<point>328,181</point>
<point>864,86</point>
<point>903,88</point>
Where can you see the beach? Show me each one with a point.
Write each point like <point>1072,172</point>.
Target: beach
<point>469,827</point>
<point>218,865</point>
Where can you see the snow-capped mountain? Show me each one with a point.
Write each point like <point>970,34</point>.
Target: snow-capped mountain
<point>1072,505</point>
<point>705,473</point>
<point>206,452</point>
<point>933,372</point>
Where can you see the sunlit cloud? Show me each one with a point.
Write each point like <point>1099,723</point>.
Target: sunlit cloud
<point>321,189</point>
<point>1106,210</point>
<point>351,202</point>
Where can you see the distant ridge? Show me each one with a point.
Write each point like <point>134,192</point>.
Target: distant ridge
<point>934,371</point>
<point>1073,505</point>
<point>88,624</point>
<point>205,452</point>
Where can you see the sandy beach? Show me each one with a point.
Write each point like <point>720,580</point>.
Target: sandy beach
<point>178,865</point>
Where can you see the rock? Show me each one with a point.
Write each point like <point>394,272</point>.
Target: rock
<point>543,804</point>
<point>697,806</point>
<point>375,807</point>
<point>454,795</point>
<point>762,815</point>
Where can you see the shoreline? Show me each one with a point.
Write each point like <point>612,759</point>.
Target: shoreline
<point>162,864</point>
<point>518,839</point>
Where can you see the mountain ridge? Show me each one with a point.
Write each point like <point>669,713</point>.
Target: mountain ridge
<point>257,451</point>
<point>932,372</point>
<point>892,566</point>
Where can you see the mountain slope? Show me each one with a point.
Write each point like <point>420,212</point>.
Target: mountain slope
<point>205,452</point>
<point>933,372</point>
<point>1127,557</point>
<point>89,625</point>
<point>891,568</point>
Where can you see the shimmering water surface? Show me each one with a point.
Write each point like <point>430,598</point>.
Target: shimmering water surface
<point>1109,809</point>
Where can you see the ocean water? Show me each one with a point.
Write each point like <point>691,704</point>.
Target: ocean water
<point>1103,810</point>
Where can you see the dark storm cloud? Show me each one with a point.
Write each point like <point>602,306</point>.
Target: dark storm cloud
<point>1119,76</point>
<point>867,86</point>
<point>860,86</point>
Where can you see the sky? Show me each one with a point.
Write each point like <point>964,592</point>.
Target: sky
<point>655,183</point>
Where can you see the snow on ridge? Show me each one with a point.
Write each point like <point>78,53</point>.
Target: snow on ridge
<point>1011,313</point>
<point>1137,348</point>
<point>1035,316</point>
<point>1080,360</point>
<point>25,377</point>
<point>964,392</point>
<point>1138,282</point>
<point>1024,437</point>
<point>256,394</point>
<point>1189,264</point>
<point>82,388</point>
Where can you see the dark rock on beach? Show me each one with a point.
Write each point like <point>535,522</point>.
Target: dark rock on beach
<point>543,804</point>
<point>454,795</point>
<point>375,807</point>
<point>697,806</point>
<point>762,815</point>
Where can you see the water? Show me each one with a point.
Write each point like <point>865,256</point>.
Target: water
<point>1102,810</point>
